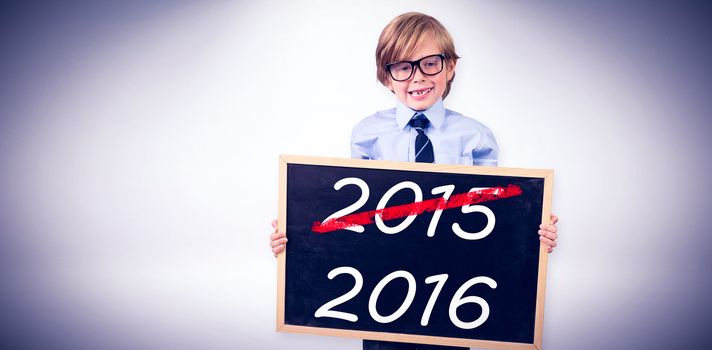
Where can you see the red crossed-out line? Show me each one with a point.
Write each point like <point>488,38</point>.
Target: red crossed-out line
<point>401,211</point>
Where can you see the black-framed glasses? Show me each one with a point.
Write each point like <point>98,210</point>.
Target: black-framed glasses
<point>429,65</point>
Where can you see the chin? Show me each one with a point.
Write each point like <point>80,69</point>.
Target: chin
<point>420,105</point>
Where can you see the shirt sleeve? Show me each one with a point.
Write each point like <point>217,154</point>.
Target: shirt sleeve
<point>358,152</point>
<point>486,152</point>
<point>361,146</point>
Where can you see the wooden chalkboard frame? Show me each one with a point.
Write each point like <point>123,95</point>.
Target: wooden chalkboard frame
<point>545,174</point>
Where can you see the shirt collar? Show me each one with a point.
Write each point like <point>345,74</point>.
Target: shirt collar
<point>435,114</point>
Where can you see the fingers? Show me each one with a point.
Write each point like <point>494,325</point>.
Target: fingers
<point>548,231</point>
<point>548,228</point>
<point>554,219</point>
<point>548,234</point>
<point>278,250</point>
<point>277,235</point>
<point>278,246</point>
<point>547,241</point>
<point>277,240</point>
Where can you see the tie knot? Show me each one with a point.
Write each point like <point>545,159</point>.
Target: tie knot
<point>419,122</point>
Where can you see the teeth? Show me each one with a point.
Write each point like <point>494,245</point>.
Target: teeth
<point>419,93</point>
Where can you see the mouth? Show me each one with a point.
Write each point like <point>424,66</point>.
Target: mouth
<point>421,92</point>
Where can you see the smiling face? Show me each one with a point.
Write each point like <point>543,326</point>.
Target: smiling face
<point>422,91</point>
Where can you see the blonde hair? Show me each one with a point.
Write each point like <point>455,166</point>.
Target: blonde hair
<point>400,38</point>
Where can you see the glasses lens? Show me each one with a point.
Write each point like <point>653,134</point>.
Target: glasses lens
<point>401,71</point>
<point>431,65</point>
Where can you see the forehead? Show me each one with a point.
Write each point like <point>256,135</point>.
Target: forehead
<point>426,45</point>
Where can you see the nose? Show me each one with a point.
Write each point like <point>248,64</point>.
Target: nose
<point>417,73</point>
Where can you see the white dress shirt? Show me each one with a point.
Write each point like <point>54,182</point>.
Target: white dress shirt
<point>456,139</point>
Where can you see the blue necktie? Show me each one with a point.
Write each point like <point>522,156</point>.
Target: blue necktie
<point>423,146</point>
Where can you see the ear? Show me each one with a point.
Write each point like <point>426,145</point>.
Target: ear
<point>451,69</point>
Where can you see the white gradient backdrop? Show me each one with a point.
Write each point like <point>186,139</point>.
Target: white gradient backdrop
<point>139,144</point>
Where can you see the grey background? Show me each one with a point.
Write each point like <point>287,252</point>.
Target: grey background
<point>139,143</point>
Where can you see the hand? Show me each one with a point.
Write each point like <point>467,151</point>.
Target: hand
<point>277,240</point>
<point>548,235</point>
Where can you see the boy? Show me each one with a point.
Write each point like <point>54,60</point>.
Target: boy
<point>416,60</point>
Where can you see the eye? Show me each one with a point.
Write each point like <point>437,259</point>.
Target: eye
<point>400,67</point>
<point>431,63</point>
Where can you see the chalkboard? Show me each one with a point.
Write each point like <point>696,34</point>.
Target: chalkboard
<point>413,252</point>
